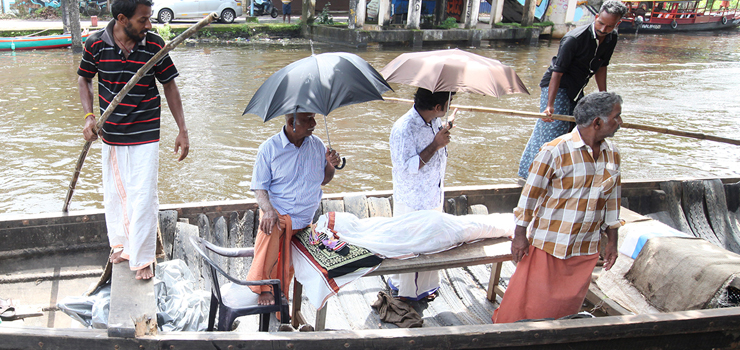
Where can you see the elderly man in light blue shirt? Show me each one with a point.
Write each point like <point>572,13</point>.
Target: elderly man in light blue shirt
<point>419,154</point>
<point>288,174</point>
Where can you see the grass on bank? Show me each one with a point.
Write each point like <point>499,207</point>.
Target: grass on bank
<point>221,31</point>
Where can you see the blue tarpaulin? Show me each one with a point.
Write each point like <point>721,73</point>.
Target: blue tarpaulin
<point>402,7</point>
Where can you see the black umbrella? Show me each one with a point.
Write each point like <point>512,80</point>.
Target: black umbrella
<point>318,84</point>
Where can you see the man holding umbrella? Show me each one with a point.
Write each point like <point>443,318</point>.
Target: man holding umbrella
<point>584,52</point>
<point>418,151</point>
<point>292,166</point>
<point>288,174</point>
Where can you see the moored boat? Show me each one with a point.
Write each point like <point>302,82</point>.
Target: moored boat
<point>38,42</point>
<point>58,243</point>
<point>679,16</point>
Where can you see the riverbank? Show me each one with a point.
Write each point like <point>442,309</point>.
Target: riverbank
<point>252,29</point>
<point>232,32</point>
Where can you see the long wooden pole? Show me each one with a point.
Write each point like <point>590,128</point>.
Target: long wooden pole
<point>568,118</point>
<point>126,88</point>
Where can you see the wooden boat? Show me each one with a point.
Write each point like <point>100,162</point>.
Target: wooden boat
<point>679,16</point>
<point>38,42</point>
<point>46,255</point>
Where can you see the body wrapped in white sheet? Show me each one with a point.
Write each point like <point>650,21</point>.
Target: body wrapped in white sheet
<point>420,232</point>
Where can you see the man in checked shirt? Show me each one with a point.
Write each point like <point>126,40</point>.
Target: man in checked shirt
<point>572,194</point>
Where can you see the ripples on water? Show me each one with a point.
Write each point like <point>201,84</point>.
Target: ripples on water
<point>686,82</point>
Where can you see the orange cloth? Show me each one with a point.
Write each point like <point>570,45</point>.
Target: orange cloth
<point>272,257</point>
<point>544,286</point>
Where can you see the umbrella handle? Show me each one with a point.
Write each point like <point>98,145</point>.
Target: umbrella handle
<point>344,161</point>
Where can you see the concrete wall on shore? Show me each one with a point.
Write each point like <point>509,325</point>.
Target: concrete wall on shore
<point>416,38</point>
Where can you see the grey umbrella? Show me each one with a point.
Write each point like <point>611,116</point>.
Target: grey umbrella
<point>318,84</point>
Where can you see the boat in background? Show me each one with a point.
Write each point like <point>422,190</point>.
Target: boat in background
<point>38,42</point>
<point>679,16</point>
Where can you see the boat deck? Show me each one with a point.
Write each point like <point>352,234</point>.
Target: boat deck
<point>461,301</point>
<point>38,282</point>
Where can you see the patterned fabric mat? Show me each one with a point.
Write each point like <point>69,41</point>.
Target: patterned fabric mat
<point>329,259</point>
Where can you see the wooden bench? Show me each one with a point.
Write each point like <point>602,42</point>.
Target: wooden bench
<point>489,251</point>
<point>494,251</point>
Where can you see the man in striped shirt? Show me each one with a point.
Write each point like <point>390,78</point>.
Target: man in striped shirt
<point>131,133</point>
<point>572,194</point>
<point>287,177</point>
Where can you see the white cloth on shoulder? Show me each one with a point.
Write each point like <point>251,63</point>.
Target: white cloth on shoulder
<point>419,232</point>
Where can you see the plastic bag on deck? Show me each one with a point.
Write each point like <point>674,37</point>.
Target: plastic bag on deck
<point>180,306</point>
<point>178,298</point>
<point>91,311</point>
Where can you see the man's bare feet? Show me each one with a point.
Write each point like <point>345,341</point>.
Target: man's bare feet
<point>265,298</point>
<point>116,257</point>
<point>145,273</point>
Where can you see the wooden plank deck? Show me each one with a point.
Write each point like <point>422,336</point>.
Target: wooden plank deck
<point>133,305</point>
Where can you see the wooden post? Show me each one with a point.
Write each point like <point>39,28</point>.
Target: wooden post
<point>493,287</point>
<point>320,324</point>
<point>384,13</point>
<point>528,13</point>
<point>74,26</point>
<point>297,318</point>
<point>414,14</point>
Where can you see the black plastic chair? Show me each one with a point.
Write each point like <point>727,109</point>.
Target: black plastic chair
<point>228,311</point>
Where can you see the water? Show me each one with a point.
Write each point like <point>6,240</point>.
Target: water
<point>681,81</point>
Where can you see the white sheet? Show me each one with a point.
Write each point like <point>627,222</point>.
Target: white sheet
<point>420,232</point>
<point>316,286</point>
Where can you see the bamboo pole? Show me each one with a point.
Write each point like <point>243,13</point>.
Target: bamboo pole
<point>126,88</point>
<point>568,118</point>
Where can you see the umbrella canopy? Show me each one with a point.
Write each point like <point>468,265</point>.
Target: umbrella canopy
<point>454,70</point>
<point>318,84</point>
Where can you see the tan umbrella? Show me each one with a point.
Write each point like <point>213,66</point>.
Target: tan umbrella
<point>454,70</point>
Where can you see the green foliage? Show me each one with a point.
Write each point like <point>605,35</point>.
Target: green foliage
<point>543,24</point>
<point>165,32</point>
<point>502,24</point>
<point>252,19</point>
<point>324,17</point>
<point>449,23</point>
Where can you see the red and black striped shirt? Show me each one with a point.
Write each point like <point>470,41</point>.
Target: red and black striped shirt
<point>136,119</point>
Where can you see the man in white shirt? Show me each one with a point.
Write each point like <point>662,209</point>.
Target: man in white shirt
<point>419,154</point>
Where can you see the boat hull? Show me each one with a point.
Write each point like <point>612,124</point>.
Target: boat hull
<point>702,329</point>
<point>679,25</point>
<point>38,42</point>
<point>33,236</point>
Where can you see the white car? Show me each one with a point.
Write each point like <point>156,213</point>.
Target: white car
<point>167,10</point>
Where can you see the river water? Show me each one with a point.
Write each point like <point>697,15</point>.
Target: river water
<point>680,81</point>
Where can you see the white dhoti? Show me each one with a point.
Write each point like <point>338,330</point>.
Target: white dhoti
<point>131,201</point>
<point>414,285</point>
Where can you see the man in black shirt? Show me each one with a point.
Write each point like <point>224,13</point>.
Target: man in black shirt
<point>584,52</point>
<point>131,133</point>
